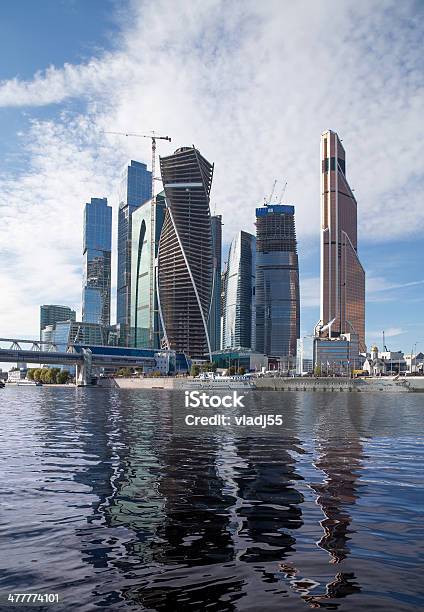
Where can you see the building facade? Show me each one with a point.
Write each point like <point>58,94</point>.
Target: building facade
<point>97,249</point>
<point>214,319</point>
<point>135,189</point>
<point>145,320</point>
<point>185,260</point>
<point>239,304</point>
<point>337,355</point>
<point>52,313</point>
<point>342,275</point>
<point>277,281</point>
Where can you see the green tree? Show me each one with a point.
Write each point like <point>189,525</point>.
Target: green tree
<point>232,370</point>
<point>195,370</point>
<point>62,377</point>
<point>30,374</point>
<point>241,371</point>
<point>37,374</point>
<point>317,370</point>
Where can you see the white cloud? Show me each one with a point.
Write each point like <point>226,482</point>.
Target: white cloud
<point>252,85</point>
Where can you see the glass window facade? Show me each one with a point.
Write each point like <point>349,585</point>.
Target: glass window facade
<point>50,314</point>
<point>135,189</point>
<point>97,262</point>
<point>145,320</point>
<point>277,282</point>
<point>342,275</point>
<point>214,322</point>
<point>239,305</point>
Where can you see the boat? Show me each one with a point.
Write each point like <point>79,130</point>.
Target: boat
<point>210,380</point>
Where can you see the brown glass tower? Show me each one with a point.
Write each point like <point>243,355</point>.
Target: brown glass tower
<point>185,258</point>
<point>342,276</point>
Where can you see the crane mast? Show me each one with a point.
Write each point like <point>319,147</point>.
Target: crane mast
<point>153,138</point>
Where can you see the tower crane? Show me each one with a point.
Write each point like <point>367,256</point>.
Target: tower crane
<point>153,138</point>
<point>283,191</point>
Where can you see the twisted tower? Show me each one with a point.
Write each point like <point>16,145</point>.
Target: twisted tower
<point>185,262</point>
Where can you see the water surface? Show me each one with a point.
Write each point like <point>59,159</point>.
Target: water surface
<point>109,500</point>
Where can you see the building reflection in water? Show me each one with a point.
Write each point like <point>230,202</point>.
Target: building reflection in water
<point>339,458</point>
<point>209,519</point>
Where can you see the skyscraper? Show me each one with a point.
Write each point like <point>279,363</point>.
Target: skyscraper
<point>214,320</point>
<point>342,275</point>
<point>185,262</point>
<point>277,281</point>
<point>145,320</point>
<point>52,313</point>
<point>239,305</point>
<point>135,189</point>
<point>97,261</point>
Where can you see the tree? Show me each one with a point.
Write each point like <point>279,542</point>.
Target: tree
<point>241,371</point>
<point>195,370</point>
<point>37,374</point>
<point>125,372</point>
<point>63,377</point>
<point>232,370</point>
<point>30,374</point>
<point>317,371</point>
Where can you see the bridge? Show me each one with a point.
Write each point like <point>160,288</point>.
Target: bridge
<point>85,356</point>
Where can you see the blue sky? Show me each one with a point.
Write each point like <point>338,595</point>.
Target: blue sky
<point>253,85</point>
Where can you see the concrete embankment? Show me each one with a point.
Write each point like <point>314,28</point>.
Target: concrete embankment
<point>346,385</point>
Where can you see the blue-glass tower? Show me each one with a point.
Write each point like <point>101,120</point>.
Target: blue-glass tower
<point>239,304</point>
<point>277,281</point>
<point>135,189</point>
<point>97,260</point>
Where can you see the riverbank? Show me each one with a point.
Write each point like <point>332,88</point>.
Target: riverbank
<point>386,385</point>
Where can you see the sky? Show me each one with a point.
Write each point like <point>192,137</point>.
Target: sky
<point>252,85</point>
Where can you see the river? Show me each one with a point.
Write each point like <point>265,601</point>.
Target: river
<point>110,500</point>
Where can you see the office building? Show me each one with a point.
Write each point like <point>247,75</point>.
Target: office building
<point>342,275</point>
<point>185,262</point>
<point>52,313</point>
<point>97,251</point>
<point>337,355</point>
<point>277,281</point>
<point>145,320</point>
<point>214,320</point>
<point>135,189</point>
<point>239,311</point>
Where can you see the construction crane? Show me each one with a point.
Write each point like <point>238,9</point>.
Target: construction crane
<point>153,138</point>
<point>283,191</point>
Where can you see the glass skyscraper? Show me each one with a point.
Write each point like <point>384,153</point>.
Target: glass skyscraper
<point>135,189</point>
<point>277,281</point>
<point>97,261</point>
<point>214,321</point>
<point>185,260</point>
<point>145,320</point>
<point>342,275</point>
<point>239,296</point>
<point>50,314</point>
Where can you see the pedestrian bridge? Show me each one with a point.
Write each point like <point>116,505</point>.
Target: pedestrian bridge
<point>84,356</point>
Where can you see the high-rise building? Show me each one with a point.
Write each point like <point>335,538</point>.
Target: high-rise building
<point>135,189</point>
<point>145,320</point>
<point>277,281</point>
<point>239,304</point>
<point>185,262</point>
<point>97,261</point>
<point>52,313</point>
<point>342,275</point>
<point>214,320</point>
